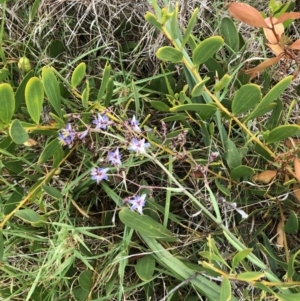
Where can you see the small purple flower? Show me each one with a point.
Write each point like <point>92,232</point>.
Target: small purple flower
<point>81,135</point>
<point>101,122</point>
<point>138,145</point>
<point>98,174</point>
<point>138,202</point>
<point>67,135</point>
<point>135,124</point>
<point>114,157</point>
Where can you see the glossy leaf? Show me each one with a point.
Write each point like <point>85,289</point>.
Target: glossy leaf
<point>225,289</point>
<point>245,99</point>
<point>230,33</point>
<point>48,151</point>
<point>242,171</point>
<point>169,54</point>
<point>52,89</point>
<point>78,75</point>
<point>247,14</point>
<point>145,267</point>
<point>146,225</point>
<point>282,132</point>
<point>205,111</point>
<point>233,156</point>
<point>52,191</point>
<point>206,49</point>
<point>34,97</point>
<point>17,132</point>
<point>291,226</point>
<point>272,95</point>
<point>28,215</point>
<point>7,103</point>
<point>85,279</point>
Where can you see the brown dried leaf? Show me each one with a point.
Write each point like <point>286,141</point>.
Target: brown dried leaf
<point>30,142</point>
<point>280,234</point>
<point>278,28</point>
<point>295,45</point>
<point>247,14</point>
<point>288,16</point>
<point>263,65</point>
<point>291,143</point>
<point>276,48</point>
<point>297,169</point>
<point>265,177</point>
<point>296,192</point>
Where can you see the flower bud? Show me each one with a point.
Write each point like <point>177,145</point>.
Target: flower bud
<point>24,64</point>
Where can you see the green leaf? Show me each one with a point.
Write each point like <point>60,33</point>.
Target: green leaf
<point>86,95</point>
<point>292,224</point>
<point>159,105</point>
<point>85,279</point>
<point>282,132</point>
<point>241,255</point>
<point>80,294</point>
<point>206,49</point>
<point>146,225</point>
<point>230,33</point>
<point>15,198</point>
<point>233,156</point>
<point>109,91</point>
<point>34,9</point>
<point>153,21</point>
<point>104,81</point>
<point>169,54</point>
<point>276,116</point>
<point>205,111</point>
<point>28,215</point>
<point>222,83</point>
<point>48,151</point>
<point>198,89</point>
<point>52,89</point>
<point>78,75</point>
<point>1,246</point>
<point>17,132</point>
<point>190,26</point>
<point>3,74</point>
<point>242,171</point>
<point>20,93</point>
<point>145,267</point>
<point>7,103</point>
<point>250,276</point>
<point>245,98</point>
<point>288,297</point>
<point>291,265</point>
<point>222,188</point>
<point>55,48</point>
<point>225,290</point>
<point>55,193</point>
<point>34,96</point>
<point>272,95</point>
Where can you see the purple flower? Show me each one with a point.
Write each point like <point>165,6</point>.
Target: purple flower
<point>138,145</point>
<point>101,122</point>
<point>135,124</point>
<point>138,202</point>
<point>67,135</point>
<point>114,157</point>
<point>81,135</point>
<point>98,174</point>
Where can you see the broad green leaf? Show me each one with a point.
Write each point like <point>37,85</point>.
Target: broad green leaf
<point>80,294</point>
<point>288,297</point>
<point>3,74</point>
<point>282,132</point>
<point>106,74</point>
<point>245,99</point>
<point>233,156</point>
<point>85,279</point>
<point>190,26</point>
<point>222,188</point>
<point>213,66</point>
<point>225,290</point>
<point>292,224</point>
<point>250,276</point>
<point>34,96</point>
<point>55,48</point>
<point>28,215</point>
<point>159,106</point>
<point>198,89</point>
<point>7,103</point>
<point>109,92</point>
<point>17,132</point>
<point>205,111</point>
<point>146,225</point>
<point>20,93</point>
<point>48,151</point>
<point>242,171</point>
<point>86,95</point>
<point>13,200</point>
<point>230,33</point>
<point>52,191</point>
<point>206,49</point>
<point>145,267</point>
<point>272,95</point>
<point>241,255</point>
<point>52,89</point>
<point>169,54</point>
<point>153,21</point>
<point>78,75</point>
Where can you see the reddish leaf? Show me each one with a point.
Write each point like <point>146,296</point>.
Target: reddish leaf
<point>276,48</point>
<point>263,65</point>
<point>288,16</point>
<point>269,33</point>
<point>265,177</point>
<point>295,45</point>
<point>247,14</point>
